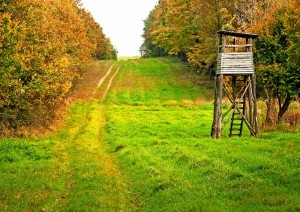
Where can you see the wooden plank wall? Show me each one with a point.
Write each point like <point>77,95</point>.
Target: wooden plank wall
<point>239,63</point>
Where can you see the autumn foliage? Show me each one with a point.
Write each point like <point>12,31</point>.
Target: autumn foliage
<point>187,28</point>
<point>45,46</point>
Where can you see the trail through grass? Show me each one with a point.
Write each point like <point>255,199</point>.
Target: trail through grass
<point>147,147</point>
<point>70,171</point>
<point>158,125</point>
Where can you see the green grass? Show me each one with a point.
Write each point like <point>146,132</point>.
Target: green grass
<point>69,171</point>
<point>147,147</point>
<point>160,133</point>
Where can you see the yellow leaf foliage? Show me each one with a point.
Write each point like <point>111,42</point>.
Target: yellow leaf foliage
<point>45,46</point>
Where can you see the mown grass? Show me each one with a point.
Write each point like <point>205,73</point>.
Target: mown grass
<point>158,125</point>
<point>68,171</point>
<point>156,82</point>
<point>147,147</point>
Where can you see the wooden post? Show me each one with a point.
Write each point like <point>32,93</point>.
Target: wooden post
<point>223,44</point>
<point>253,80</point>
<point>217,120</point>
<point>233,82</point>
<point>219,106</point>
<point>244,103</point>
<point>250,101</point>
<point>250,92</point>
<point>234,43</point>
<point>213,128</point>
<point>221,47</point>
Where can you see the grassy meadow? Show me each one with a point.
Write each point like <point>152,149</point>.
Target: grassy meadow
<point>147,147</point>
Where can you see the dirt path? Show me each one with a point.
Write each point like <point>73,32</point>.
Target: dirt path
<point>110,83</point>
<point>73,169</point>
<point>106,81</point>
<point>103,78</point>
<point>94,178</point>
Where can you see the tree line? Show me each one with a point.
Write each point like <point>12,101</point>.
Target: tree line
<point>187,28</point>
<point>45,47</point>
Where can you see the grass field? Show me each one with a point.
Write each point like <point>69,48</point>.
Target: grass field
<point>147,147</point>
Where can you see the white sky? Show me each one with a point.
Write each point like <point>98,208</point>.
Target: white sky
<point>122,21</point>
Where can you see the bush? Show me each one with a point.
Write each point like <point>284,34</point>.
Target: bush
<point>45,46</point>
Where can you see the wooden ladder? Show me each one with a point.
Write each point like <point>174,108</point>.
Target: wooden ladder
<point>237,121</point>
<point>236,126</point>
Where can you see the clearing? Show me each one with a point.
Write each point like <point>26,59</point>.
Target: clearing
<point>137,137</point>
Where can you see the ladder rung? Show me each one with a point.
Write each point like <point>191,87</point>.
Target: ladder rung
<point>236,124</point>
<point>236,45</point>
<point>235,134</point>
<point>237,119</point>
<point>236,129</point>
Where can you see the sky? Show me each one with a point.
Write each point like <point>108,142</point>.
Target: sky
<point>122,21</point>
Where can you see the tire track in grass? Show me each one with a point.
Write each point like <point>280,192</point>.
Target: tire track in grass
<point>110,83</point>
<point>93,180</point>
<point>103,79</point>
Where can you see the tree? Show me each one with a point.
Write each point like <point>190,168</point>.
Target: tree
<point>45,46</point>
<point>188,27</point>
<point>152,49</point>
<point>276,56</point>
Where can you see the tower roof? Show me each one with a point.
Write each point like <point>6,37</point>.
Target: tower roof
<point>237,34</point>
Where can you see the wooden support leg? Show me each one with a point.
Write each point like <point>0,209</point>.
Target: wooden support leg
<point>216,130</point>
<point>250,101</point>
<point>255,118</point>
<point>219,106</point>
<point>213,128</point>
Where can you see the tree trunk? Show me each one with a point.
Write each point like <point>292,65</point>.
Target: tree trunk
<point>283,108</point>
<point>271,112</point>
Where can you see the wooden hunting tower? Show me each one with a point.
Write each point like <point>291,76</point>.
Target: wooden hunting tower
<point>236,78</point>
<point>143,51</point>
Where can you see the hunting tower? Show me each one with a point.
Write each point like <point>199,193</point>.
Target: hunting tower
<point>143,51</point>
<point>236,78</point>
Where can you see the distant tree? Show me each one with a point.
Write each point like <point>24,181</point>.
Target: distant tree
<point>110,51</point>
<point>152,49</point>
<point>187,28</point>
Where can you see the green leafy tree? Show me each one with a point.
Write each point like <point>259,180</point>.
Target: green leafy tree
<point>276,56</point>
<point>152,49</point>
